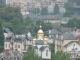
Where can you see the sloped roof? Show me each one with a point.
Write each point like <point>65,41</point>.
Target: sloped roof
<point>39,42</point>
<point>67,36</point>
<point>54,31</point>
<point>7,30</point>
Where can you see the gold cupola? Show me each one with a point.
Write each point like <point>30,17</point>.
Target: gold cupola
<point>34,39</point>
<point>45,39</point>
<point>40,30</point>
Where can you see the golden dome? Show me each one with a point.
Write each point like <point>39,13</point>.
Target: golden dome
<point>34,39</point>
<point>45,39</point>
<point>40,30</point>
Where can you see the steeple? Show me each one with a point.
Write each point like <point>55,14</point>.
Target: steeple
<point>40,30</point>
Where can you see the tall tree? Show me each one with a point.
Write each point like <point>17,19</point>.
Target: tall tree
<point>41,49</point>
<point>1,37</point>
<point>56,9</point>
<point>44,11</point>
<point>36,10</point>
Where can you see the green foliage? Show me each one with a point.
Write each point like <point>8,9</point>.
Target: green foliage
<point>68,14</point>
<point>1,48</point>
<point>52,47</point>
<point>60,55</point>
<point>72,23</point>
<point>1,37</point>
<point>8,13</point>
<point>77,58</point>
<point>36,10</point>
<point>31,55</point>
<point>56,9</point>
<point>44,11</point>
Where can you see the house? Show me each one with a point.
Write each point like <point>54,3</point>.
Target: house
<point>20,43</point>
<point>51,19</point>
<point>72,48</point>
<point>17,42</point>
<point>11,55</point>
<point>40,43</point>
<point>53,32</point>
<point>66,42</point>
<point>65,20</point>
<point>7,32</point>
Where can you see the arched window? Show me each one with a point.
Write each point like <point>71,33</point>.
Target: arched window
<point>46,52</point>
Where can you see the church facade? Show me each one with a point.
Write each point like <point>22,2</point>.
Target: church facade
<point>41,45</point>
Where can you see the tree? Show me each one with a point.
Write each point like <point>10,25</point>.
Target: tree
<point>41,49</point>
<point>44,11</point>
<point>52,47</point>
<point>72,23</point>
<point>56,9</point>
<point>60,55</point>
<point>1,37</point>
<point>36,10</point>
<point>31,55</point>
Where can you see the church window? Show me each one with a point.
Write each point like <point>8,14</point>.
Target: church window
<point>46,52</point>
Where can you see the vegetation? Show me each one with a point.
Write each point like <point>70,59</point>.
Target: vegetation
<point>31,55</point>
<point>12,18</point>
<point>60,55</point>
<point>1,38</point>
<point>44,11</point>
<point>56,9</point>
<point>77,58</point>
<point>69,10</point>
<point>36,10</point>
<point>72,23</point>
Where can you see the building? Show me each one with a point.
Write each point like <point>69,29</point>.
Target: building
<point>67,42</point>
<point>11,55</point>
<point>17,42</point>
<point>51,19</point>
<point>40,43</point>
<point>52,33</point>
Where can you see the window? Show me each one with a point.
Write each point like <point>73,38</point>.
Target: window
<point>18,46</point>
<point>9,45</point>
<point>15,46</point>
<point>24,47</point>
<point>46,52</point>
<point>6,45</point>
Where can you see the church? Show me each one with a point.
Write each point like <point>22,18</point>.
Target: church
<point>40,43</point>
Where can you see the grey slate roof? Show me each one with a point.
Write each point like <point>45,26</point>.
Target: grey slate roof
<point>7,30</point>
<point>12,55</point>
<point>66,36</point>
<point>30,38</point>
<point>17,39</point>
<point>39,42</point>
<point>54,31</point>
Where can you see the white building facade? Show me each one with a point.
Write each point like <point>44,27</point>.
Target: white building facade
<point>41,45</point>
